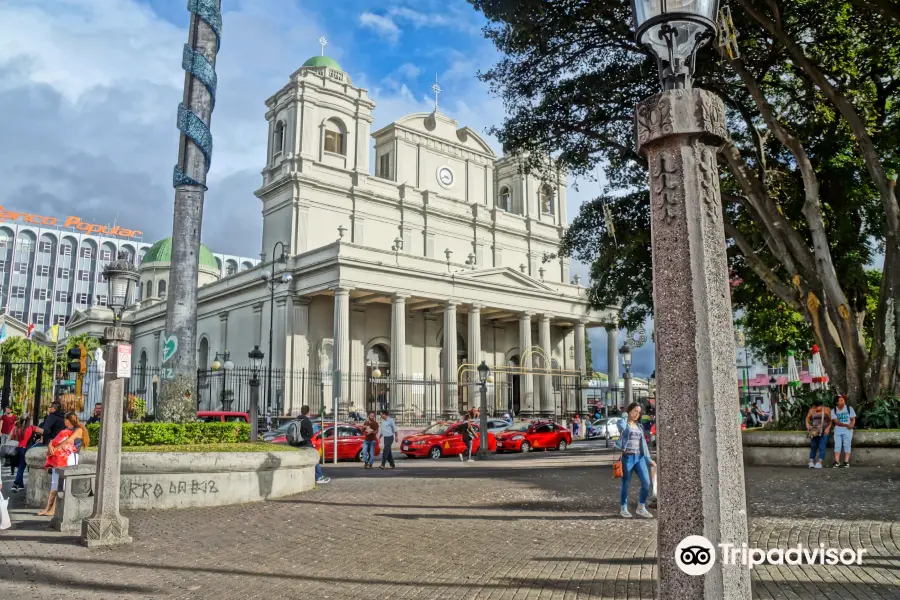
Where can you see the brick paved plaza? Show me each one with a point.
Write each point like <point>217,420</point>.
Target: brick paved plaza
<point>536,526</point>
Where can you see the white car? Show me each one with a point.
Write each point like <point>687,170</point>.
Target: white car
<point>604,428</point>
<point>497,425</point>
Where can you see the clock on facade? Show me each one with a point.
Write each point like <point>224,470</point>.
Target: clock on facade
<point>445,176</point>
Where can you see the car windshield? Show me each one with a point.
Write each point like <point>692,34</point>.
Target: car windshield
<point>521,426</point>
<point>437,429</point>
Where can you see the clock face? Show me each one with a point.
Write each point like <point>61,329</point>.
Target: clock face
<point>445,176</point>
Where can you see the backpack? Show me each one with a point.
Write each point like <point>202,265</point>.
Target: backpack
<point>293,434</point>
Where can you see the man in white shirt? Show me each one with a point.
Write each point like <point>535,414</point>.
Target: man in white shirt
<point>387,429</point>
<point>844,419</point>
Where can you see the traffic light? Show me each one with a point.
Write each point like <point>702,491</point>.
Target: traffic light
<point>78,359</point>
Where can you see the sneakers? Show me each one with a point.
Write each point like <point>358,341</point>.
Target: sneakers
<point>461,459</point>
<point>846,465</point>
<point>471,460</point>
<point>323,480</point>
<point>19,488</point>
<point>624,513</point>
<point>811,464</point>
<point>818,465</point>
<point>835,465</point>
<point>643,512</point>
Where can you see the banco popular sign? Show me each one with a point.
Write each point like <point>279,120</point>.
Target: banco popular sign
<point>71,222</point>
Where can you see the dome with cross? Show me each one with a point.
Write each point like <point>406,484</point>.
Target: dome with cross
<point>323,61</point>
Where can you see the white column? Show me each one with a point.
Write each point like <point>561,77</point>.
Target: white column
<point>474,354</point>
<point>547,404</point>
<point>341,345</point>
<point>526,385</point>
<point>580,356</point>
<point>450,402</point>
<point>299,343</point>
<point>612,364</point>
<point>398,351</point>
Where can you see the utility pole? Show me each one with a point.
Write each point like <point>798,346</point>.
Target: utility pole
<point>178,361</point>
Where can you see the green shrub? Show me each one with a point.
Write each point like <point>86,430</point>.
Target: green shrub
<point>177,434</point>
<point>883,413</point>
<point>792,414</point>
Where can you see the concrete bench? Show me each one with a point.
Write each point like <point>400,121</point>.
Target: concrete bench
<point>76,502</point>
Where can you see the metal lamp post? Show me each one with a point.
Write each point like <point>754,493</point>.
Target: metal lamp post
<point>106,526</point>
<point>256,358</point>
<point>625,352</point>
<point>701,473</point>
<point>222,362</point>
<point>773,397</point>
<point>484,451</point>
<point>272,284</point>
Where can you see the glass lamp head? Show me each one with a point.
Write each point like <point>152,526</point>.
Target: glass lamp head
<point>483,372</point>
<point>256,358</point>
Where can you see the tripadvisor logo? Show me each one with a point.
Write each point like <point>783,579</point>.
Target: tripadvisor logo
<point>696,555</point>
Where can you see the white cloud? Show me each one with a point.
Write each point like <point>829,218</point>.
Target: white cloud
<point>408,71</point>
<point>383,26</point>
<point>419,19</point>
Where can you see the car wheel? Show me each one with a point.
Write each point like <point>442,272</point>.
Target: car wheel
<point>562,445</point>
<point>435,452</point>
<point>526,447</point>
<point>359,456</point>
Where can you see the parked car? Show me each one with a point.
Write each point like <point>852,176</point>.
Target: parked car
<point>442,439</point>
<point>221,416</point>
<point>495,426</point>
<point>349,442</point>
<point>279,435</point>
<point>525,436</point>
<point>604,428</point>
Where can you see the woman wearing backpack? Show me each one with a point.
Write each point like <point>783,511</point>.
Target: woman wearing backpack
<point>27,436</point>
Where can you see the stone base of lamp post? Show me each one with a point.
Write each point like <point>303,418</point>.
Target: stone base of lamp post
<point>105,526</point>
<point>254,409</point>
<point>701,473</point>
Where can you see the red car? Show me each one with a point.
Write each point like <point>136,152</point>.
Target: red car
<point>349,442</point>
<point>533,435</point>
<point>221,416</point>
<point>442,439</point>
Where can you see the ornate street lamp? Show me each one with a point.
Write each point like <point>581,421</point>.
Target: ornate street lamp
<point>625,352</point>
<point>121,275</point>
<point>674,30</point>
<point>484,450</point>
<point>256,358</point>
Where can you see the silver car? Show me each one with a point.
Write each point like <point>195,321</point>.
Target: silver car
<point>497,425</point>
<point>604,428</point>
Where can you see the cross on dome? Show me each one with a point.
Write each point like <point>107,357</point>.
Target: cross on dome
<point>437,91</point>
<point>323,42</point>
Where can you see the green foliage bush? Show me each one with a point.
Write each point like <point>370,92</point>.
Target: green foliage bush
<point>882,413</point>
<point>177,434</point>
<point>792,415</point>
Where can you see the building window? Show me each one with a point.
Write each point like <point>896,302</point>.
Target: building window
<point>2,265</point>
<point>230,268</point>
<point>101,299</point>
<point>62,296</point>
<point>46,247</point>
<point>65,250</point>
<point>82,298</point>
<point>503,203</point>
<point>18,314</point>
<point>100,277</point>
<point>84,275</point>
<point>278,139</point>
<point>38,318</point>
<point>335,137</point>
<point>26,244</point>
<point>545,200</point>
<point>18,291</point>
<point>106,254</point>
<point>22,268</point>
<point>43,270</point>
<point>63,273</point>
<point>87,253</point>
<point>161,289</point>
<point>384,166</point>
<point>149,293</point>
<point>60,319</point>
<point>41,294</point>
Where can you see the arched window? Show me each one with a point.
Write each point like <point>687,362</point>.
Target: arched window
<point>230,268</point>
<point>278,138</point>
<point>149,293</point>
<point>545,200</point>
<point>335,137</point>
<point>504,199</point>
<point>203,354</point>
<point>161,289</point>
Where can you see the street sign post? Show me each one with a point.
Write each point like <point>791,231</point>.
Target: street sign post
<point>123,362</point>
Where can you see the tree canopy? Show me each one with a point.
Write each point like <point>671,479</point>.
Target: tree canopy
<point>807,176</point>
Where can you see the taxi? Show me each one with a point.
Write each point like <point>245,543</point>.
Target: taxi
<point>526,436</point>
<point>443,439</point>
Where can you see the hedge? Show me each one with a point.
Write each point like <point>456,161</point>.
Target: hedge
<point>177,434</point>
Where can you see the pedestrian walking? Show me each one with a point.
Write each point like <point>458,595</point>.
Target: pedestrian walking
<point>635,457</point>
<point>818,427</point>
<point>468,434</point>
<point>370,431</point>
<point>7,424</point>
<point>576,425</point>
<point>27,435</point>
<point>843,418</point>
<point>388,429</point>
<point>303,438</point>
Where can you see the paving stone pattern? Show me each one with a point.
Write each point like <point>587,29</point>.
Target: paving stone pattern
<point>538,527</point>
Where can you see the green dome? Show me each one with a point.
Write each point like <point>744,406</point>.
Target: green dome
<point>322,61</point>
<point>161,251</point>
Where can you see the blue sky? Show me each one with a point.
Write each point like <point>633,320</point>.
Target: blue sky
<point>89,90</point>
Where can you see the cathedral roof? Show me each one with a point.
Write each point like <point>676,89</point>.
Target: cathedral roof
<point>161,251</point>
<point>322,61</point>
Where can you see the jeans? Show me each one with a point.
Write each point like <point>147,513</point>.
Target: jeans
<point>387,456</point>
<point>319,471</point>
<point>842,440</point>
<point>368,452</point>
<point>20,471</point>
<point>637,463</point>
<point>817,445</point>
<point>574,428</point>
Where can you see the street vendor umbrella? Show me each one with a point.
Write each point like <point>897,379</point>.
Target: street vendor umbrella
<point>793,374</point>
<point>816,372</point>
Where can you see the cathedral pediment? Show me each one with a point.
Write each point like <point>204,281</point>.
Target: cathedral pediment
<point>507,277</point>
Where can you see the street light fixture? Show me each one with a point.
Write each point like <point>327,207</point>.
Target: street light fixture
<point>625,351</point>
<point>272,283</point>
<point>484,450</point>
<point>121,276</point>
<point>674,30</point>
<point>256,358</point>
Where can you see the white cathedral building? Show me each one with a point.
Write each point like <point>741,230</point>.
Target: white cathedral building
<point>441,259</point>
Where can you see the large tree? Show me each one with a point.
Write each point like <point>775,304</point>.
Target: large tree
<point>807,176</point>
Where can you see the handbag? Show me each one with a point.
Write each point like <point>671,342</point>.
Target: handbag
<point>617,469</point>
<point>9,449</point>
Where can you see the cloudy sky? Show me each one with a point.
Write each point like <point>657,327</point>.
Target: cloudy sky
<point>89,91</point>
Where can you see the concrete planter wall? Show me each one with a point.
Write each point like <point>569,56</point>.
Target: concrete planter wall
<point>155,480</point>
<point>791,448</point>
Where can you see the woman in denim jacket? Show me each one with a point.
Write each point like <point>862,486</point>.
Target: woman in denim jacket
<point>635,457</point>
